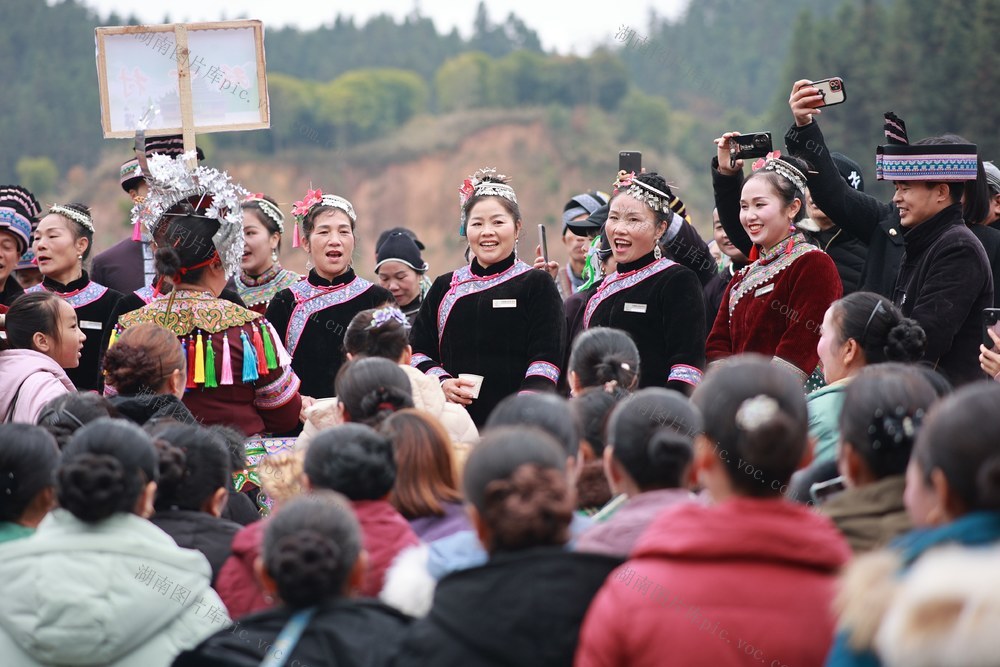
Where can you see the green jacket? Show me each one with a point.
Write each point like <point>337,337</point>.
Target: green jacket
<point>118,593</point>
<point>13,531</point>
<point>825,405</point>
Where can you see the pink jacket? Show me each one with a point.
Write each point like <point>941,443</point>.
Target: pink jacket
<point>39,378</point>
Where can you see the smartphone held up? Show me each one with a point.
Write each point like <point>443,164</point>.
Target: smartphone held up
<point>630,162</point>
<point>832,91</point>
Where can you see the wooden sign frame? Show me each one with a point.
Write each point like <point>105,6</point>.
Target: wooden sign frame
<point>182,57</point>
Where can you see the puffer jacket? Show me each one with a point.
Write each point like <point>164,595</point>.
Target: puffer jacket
<point>32,379</point>
<point>118,593</point>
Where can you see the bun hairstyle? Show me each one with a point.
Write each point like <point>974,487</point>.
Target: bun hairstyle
<point>371,389</point>
<point>353,460</point>
<point>491,176</point>
<point>387,340</point>
<point>607,358</point>
<point>36,312</point>
<point>64,415</point>
<point>884,408</point>
<point>28,460</point>
<point>785,188</point>
<point>960,438</point>
<point>515,478</point>
<point>591,410</point>
<point>879,328</point>
<point>756,414</point>
<point>652,434</point>
<point>184,245</point>
<point>193,465</point>
<point>142,359</point>
<point>549,412</point>
<point>310,548</point>
<point>104,469</point>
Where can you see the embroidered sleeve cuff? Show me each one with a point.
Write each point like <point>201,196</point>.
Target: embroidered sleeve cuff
<point>275,394</point>
<point>545,370</point>
<point>685,373</point>
<point>792,368</point>
<point>438,372</point>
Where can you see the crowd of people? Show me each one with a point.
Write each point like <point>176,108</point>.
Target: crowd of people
<point>775,447</point>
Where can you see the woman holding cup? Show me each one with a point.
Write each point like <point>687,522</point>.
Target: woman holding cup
<point>494,327</point>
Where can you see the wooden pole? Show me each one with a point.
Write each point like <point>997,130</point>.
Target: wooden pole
<point>184,88</point>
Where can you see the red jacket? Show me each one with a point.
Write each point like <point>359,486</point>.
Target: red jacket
<point>236,583</point>
<point>746,582</point>
<point>384,533</point>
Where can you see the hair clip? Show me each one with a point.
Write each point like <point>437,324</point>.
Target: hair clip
<point>385,315</point>
<point>896,429</point>
<point>755,412</point>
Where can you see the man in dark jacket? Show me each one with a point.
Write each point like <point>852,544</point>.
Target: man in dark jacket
<point>874,223</point>
<point>944,280</point>
<point>845,249</point>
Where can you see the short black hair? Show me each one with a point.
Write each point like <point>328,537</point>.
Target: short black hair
<point>351,459</point>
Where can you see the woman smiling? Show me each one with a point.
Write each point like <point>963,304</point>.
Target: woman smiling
<point>658,302</point>
<point>775,305</point>
<point>496,317</point>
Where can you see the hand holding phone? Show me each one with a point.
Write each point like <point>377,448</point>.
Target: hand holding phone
<point>543,244</point>
<point>991,320</point>
<point>832,91</point>
<point>754,144</point>
<point>630,162</point>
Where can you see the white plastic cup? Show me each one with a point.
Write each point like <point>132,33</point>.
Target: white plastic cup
<point>478,379</point>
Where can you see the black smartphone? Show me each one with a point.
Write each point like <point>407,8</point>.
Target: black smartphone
<point>991,320</point>
<point>542,243</point>
<point>823,491</point>
<point>832,90</point>
<point>630,162</point>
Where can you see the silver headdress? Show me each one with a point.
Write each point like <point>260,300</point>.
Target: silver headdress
<point>204,192</point>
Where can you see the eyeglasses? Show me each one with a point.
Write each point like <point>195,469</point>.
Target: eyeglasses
<point>875,311</point>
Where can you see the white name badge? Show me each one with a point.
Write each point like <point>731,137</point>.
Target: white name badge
<point>505,303</point>
<point>635,308</point>
<point>87,324</point>
<point>764,290</point>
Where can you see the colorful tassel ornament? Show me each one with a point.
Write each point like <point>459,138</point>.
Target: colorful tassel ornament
<point>258,346</point>
<point>284,359</point>
<point>210,381</point>
<point>137,231</point>
<point>272,360</point>
<point>113,338</point>
<point>189,354</point>
<point>249,359</point>
<point>199,360</point>
<point>227,361</point>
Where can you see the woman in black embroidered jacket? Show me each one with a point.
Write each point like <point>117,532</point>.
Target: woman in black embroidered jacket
<point>496,317</point>
<point>655,300</point>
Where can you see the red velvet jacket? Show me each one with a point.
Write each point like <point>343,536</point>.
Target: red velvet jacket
<point>775,307</point>
<point>746,582</point>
